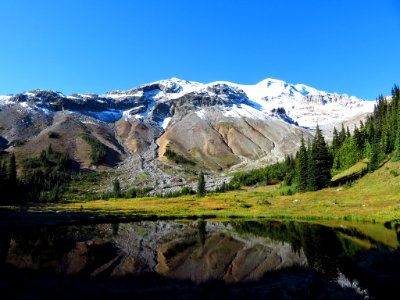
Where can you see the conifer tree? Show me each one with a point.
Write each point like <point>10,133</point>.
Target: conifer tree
<point>335,141</point>
<point>116,188</point>
<point>398,148</point>
<point>321,160</point>
<point>12,172</point>
<point>342,135</point>
<point>201,186</point>
<point>302,167</point>
<point>2,176</point>
<point>374,158</point>
<point>311,179</point>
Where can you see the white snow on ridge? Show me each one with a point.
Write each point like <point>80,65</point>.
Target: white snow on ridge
<point>5,100</point>
<point>246,111</point>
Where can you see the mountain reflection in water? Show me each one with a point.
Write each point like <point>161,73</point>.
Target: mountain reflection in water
<point>361,261</point>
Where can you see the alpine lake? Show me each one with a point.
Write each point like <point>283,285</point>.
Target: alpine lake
<point>199,259</point>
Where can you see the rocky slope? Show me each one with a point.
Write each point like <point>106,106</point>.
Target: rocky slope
<point>160,130</point>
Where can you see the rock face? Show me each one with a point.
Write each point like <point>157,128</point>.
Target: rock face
<point>216,126</point>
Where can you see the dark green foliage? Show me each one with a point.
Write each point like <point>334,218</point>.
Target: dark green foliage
<point>201,185</point>
<point>116,188</point>
<point>311,180</point>
<point>374,157</point>
<point>398,148</point>
<point>12,172</point>
<point>271,174</point>
<point>98,150</point>
<point>348,154</point>
<point>136,192</point>
<point>336,140</point>
<point>3,180</point>
<point>53,135</point>
<point>322,162</point>
<point>302,167</point>
<point>225,187</point>
<point>43,178</point>
<point>127,194</point>
<point>183,192</point>
<point>179,159</point>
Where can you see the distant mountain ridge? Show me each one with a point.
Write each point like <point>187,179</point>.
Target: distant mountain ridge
<point>216,126</point>
<point>146,99</point>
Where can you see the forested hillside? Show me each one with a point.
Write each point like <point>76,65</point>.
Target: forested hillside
<point>316,162</point>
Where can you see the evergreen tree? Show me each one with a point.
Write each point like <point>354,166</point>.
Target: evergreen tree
<point>12,172</point>
<point>302,167</point>
<point>2,176</point>
<point>311,179</point>
<point>374,156</point>
<point>201,186</point>
<point>321,160</point>
<point>342,135</point>
<point>335,141</point>
<point>49,149</point>
<point>116,188</point>
<point>398,148</point>
<point>348,134</point>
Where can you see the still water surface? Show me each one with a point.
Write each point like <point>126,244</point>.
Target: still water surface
<point>284,259</point>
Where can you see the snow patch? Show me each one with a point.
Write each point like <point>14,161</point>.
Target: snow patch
<point>5,100</point>
<point>165,122</point>
<point>245,111</point>
<point>201,114</point>
<point>108,116</point>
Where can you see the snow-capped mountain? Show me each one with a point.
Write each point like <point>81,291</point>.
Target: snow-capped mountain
<point>216,125</point>
<point>303,105</point>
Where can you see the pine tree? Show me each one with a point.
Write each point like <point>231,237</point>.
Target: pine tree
<point>12,172</point>
<point>348,134</point>
<point>374,157</point>
<point>311,179</point>
<point>398,148</point>
<point>201,186</point>
<point>2,176</point>
<point>335,141</point>
<point>321,160</point>
<point>342,135</point>
<point>302,167</point>
<point>49,149</point>
<point>116,188</point>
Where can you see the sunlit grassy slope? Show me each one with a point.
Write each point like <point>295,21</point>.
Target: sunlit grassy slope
<point>375,197</point>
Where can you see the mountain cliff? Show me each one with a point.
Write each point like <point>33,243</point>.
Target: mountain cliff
<point>175,123</point>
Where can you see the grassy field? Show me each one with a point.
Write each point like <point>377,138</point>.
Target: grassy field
<point>373,198</point>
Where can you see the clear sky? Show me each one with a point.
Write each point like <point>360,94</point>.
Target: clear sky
<point>344,46</point>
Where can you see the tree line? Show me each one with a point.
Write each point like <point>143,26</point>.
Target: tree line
<point>41,178</point>
<point>315,162</point>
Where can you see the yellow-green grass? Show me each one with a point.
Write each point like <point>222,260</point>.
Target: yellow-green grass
<point>373,198</point>
<point>358,168</point>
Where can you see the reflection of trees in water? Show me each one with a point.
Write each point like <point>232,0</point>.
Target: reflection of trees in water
<point>4,246</point>
<point>201,227</point>
<point>48,243</point>
<point>320,244</point>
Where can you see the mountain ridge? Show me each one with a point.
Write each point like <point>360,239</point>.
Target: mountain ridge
<point>219,126</point>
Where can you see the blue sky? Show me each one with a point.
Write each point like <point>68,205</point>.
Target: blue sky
<point>97,45</point>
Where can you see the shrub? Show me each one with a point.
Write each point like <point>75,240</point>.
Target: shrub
<point>53,135</point>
